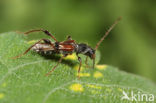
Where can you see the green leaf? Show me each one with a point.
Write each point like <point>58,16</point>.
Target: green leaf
<point>23,80</point>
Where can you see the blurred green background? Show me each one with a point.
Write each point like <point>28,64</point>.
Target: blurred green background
<point>131,46</point>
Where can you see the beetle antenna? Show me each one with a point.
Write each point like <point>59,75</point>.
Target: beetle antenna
<point>108,31</point>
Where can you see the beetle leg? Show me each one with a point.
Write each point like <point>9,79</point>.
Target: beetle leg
<point>45,31</point>
<point>69,38</point>
<point>56,65</point>
<point>86,62</point>
<point>45,40</point>
<point>79,59</point>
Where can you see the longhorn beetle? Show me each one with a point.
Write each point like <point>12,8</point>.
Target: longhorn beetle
<point>66,47</point>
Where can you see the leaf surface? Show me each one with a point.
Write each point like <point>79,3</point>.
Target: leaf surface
<point>23,80</point>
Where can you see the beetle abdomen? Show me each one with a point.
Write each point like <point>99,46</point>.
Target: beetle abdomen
<point>43,48</point>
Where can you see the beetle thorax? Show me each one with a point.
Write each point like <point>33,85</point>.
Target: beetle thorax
<point>85,49</point>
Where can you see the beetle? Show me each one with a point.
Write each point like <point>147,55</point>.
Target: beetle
<point>66,47</point>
